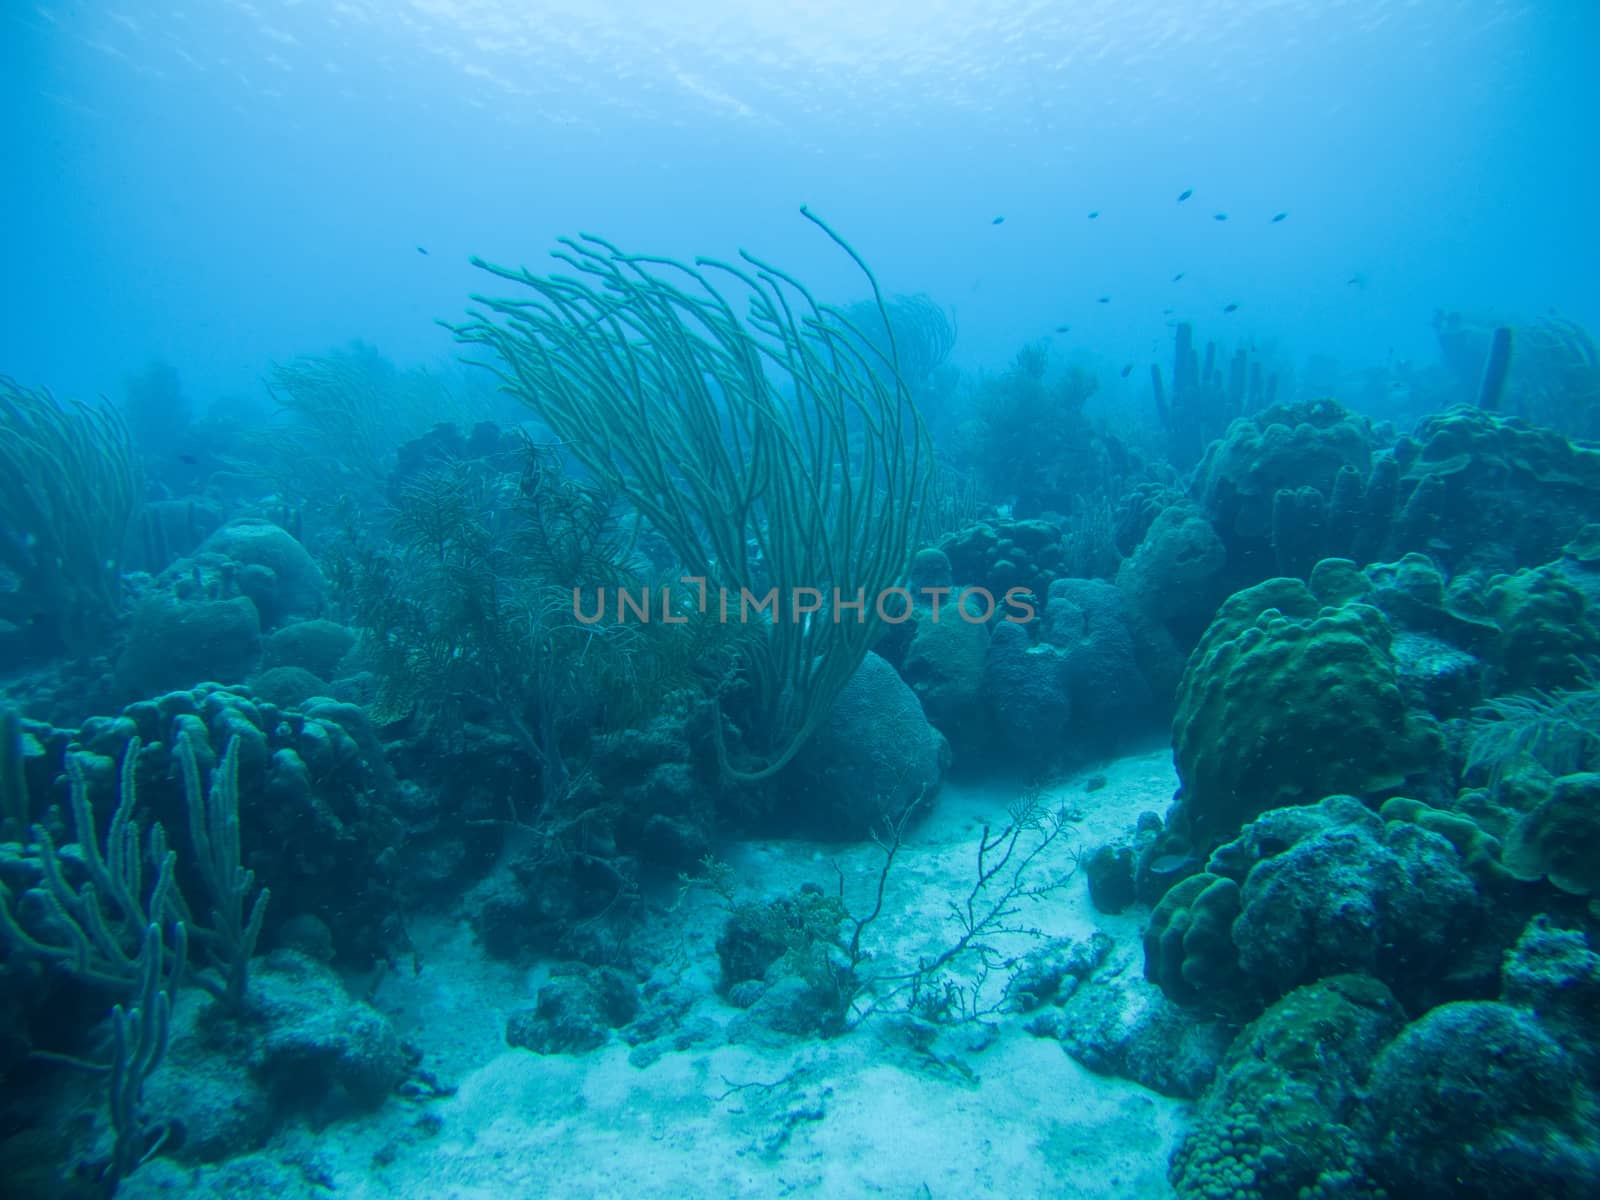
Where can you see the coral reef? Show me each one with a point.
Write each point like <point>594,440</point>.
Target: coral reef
<point>1305,893</point>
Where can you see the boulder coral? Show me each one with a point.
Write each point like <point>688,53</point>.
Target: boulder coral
<point>1305,893</point>
<point>1286,700</point>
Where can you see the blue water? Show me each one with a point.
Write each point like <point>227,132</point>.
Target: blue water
<point>580,906</point>
<point>221,185</point>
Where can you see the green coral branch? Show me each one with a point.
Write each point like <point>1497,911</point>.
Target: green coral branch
<point>214,831</point>
<point>139,1037</point>
<point>95,929</point>
<point>138,1044</point>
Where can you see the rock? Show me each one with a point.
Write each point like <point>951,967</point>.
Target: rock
<point>874,758</point>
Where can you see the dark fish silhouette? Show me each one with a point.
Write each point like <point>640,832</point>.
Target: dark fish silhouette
<point>1094,214</point>
<point>420,250</point>
<point>1177,277</point>
<point>1127,370</point>
<point>1063,328</point>
<point>1105,299</point>
<point>188,458</point>
<point>1185,194</point>
<point>1227,308</point>
<point>1219,216</point>
<point>1278,217</point>
<point>998,221</point>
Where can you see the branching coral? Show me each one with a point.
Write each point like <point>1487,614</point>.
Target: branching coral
<point>92,908</point>
<point>68,488</point>
<point>341,416</point>
<point>1031,443</point>
<point>924,333</point>
<point>777,449</point>
<point>469,616</point>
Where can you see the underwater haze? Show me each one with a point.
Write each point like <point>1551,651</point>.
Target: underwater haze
<point>808,598</point>
<point>222,184</point>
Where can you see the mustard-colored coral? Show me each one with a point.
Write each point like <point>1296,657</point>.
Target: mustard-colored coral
<point>1286,701</point>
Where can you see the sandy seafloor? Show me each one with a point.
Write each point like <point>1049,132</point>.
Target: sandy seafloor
<point>1000,1113</point>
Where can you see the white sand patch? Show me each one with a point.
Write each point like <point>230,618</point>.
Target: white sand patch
<point>864,1115</point>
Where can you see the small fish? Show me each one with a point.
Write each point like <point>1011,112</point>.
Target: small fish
<point>421,250</point>
<point>1185,194</point>
<point>1094,214</point>
<point>1063,328</point>
<point>1105,299</point>
<point>1219,216</point>
<point>1357,280</point>
<point>188,458</point>
<point>1278,217</point>
<point>1127,370</point>
<point>1167,312</point>
<point>998,221</point>
<point>1228,308</point>
<point>1177,277</point>
<point>1169,864</point>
